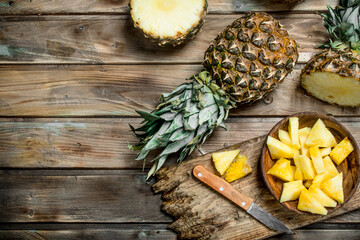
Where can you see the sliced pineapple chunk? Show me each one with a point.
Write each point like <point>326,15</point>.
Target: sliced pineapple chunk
<point>279,150</point>
<point>291,190</point>
<point>282,170</point>
<point>238,169</point>
<point>308,203</point>
<point>294,132</point>
<point>341,151</point>
<point>319,179</point>
<point>303,134</point>
<point>307,167</point>
<point>284,137</point>
<point>319,135</point>
<point>333,188</point>
<point>325,151</point>
<point>317,159</point>
<point>298,175</point>
<point>222,160</point>
<point>322,198</point>
<point>331,170</point>
<point>331,139</point>
<point>308,183</point>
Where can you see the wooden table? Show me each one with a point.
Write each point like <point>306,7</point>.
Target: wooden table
<point>73,71</point>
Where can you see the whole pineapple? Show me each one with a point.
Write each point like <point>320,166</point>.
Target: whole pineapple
<point>244,63</point>
<point>334,74</point>
<point>168,22</point>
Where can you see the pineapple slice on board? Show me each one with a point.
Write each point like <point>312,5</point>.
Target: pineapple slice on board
<point>222,160</point>
<point>341,151</point>
<point>283,170</point>
<point>308,203</point>
<point>238,169</point>
<point>291,190</point>
<point>333,188</point>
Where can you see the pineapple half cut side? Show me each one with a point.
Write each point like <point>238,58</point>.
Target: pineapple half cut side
<point>168,22</point>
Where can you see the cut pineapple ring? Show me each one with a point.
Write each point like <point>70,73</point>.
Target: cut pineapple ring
<point>167,18</point>
<point>332,88</point>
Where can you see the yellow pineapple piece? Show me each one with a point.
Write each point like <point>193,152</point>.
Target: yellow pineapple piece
<point>322,198</point>
<point>284,137</point>
<point>238,169</point>
<point>279,150</point>
<point>222,160</point>
<point>331,170</point>
<point>308,203</point>
<point>298,175</point>
<point>282,170</point>
<point>333,188</point>
<point>319,135</point>
<point>307,167</point>
<point>319,179</point>
<point>317,159</point>
<point>293,129</point>
<point>303,134</point>
<point>325,151</point>
<point>291,190</point>
<point>341,151</point>
<point>331,138</point>
<point>307,183</point>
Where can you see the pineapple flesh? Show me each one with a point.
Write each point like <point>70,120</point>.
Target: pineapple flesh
<point>279,150</point>
<point>307,167</point>
<point>303,134</point>
<point>291,190</point>
<point>322,198</point>
<point>238,169</point>
<point>333,188</point>
<point>222,160</point>
<point>294,132</point>
<point>284,137</point>
<point>320,136</point>
<point>283,170</point>
<point>341,151</point>
<point>308,203</point>
<point>330,167</point>
<point>317,159</point>
<point>168,22</point>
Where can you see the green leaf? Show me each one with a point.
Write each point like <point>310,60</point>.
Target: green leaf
<point>175,124</point>
<point>147,116</point>
<point>179,134</point>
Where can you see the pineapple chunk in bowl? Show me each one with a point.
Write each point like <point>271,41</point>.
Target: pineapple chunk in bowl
<point>348,167</point>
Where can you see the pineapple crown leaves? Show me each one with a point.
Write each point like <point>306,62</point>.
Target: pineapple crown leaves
<point>182,121</point>
<point>342,24</point>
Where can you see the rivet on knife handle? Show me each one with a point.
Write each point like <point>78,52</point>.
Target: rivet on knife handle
<point>222,187</point>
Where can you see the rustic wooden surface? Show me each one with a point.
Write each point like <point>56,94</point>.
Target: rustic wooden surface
<point>71,74</point>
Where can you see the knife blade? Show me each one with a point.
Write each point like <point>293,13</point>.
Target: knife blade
<point>243,201</point>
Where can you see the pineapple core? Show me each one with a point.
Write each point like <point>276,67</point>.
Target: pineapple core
<point>167,18</point>
<point>333,88</point>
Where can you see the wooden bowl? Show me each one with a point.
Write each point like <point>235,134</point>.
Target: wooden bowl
<point>349,167</point>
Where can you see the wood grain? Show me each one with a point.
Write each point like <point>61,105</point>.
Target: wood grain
<point>121,6</point>
<point>111,39</point>
<point>102,142</point>
<point>200,214</point>
<point>112,90</point>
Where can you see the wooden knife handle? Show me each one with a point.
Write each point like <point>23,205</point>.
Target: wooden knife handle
<point>222,187</point>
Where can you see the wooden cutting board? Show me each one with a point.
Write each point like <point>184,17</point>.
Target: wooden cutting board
<point>201,213</point>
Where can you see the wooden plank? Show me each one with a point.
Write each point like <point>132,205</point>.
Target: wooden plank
<point>113,90</point>
<point>108,39</point>
<point>121,6</point>
<point>102,142</point>
<point>49,196</point>
<point>83,196</point>
<point>157,234</point>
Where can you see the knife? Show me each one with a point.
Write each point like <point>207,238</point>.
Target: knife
<point>245,202</point>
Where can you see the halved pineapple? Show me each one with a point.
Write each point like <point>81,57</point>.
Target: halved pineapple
<point>322,198</point>
<point>319,136</point>
<point>294,132</point>
<point>279,150</point>
<point>303,134</point>
<point>317,160</point>
<point>282,169</point>
<point>331,170</point>
<point>307,167</point>
<point>298,175</point>
<point>332,87</point>
<point>168,22</point>
<point>325,151</point>
<point>308,203</point>
<point>333,188</point>
<point>222,160</point>
<point>341,151</point>
<point>284,137</point>
<point>291,190</point>
<point>238,169</point>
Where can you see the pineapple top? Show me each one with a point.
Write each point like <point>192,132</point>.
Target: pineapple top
<point>342,24</point>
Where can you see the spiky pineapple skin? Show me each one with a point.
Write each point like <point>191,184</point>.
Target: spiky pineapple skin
<point>251,57</point>
<point>176,40</point>
<point>343,63</point>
